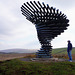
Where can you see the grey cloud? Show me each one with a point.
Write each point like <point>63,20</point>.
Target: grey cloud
<point>5,26</point>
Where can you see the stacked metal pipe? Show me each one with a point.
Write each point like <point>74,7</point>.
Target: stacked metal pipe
<point>49,23</point>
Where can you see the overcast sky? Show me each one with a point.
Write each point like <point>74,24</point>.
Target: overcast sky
<point>17,32</point>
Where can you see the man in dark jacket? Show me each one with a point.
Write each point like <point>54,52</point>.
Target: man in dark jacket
<point>69,49</point>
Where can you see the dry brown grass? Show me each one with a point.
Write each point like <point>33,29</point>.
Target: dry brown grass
<point>13,56</point>
<point>30,55</point>
<point>63,56</point>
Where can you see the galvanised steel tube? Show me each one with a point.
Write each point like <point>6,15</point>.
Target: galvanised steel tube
<point>49,23</point>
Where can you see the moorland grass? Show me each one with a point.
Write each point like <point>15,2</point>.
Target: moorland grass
<point>17,67</point>
<point>62,51</point>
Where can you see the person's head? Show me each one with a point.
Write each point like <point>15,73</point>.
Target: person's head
<point>68,41</point>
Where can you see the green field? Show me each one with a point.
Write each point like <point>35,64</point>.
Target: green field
<point>17,67</point>
<point>62,51</point>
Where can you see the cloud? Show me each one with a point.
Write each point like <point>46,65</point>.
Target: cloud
<point>17,32</point>
<point>65,4</point>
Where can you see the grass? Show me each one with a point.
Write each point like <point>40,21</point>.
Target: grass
<point>57,53</point>
<point>17,67</point>
<point>62,51</point>
<point>30,56</point>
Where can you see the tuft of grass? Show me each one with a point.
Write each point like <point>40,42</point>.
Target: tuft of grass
<point>17,67</point>
<point>30,56</point>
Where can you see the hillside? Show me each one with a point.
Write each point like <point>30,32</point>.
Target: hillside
<point>62,51</point>
<point>17,67</point>
<point>54,51</point>
<point>18,51</point>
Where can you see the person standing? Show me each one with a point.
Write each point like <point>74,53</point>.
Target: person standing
<point>69,49</point>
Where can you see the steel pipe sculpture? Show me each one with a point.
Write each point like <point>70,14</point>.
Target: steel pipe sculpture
<point>49,23</point>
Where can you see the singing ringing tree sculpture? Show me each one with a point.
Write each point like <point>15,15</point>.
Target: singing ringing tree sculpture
<point>49,23</point>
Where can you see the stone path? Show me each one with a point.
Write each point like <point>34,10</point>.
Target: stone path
<point>45,59</point>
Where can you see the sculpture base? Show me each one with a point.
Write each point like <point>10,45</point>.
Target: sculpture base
<point>45,59</point>
<point>43,54</point>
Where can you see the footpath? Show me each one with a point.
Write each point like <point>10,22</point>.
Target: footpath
<point>45,59</point>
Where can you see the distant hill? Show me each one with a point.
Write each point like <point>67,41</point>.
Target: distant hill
<point>18,51</point>
<point>54,51</point>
